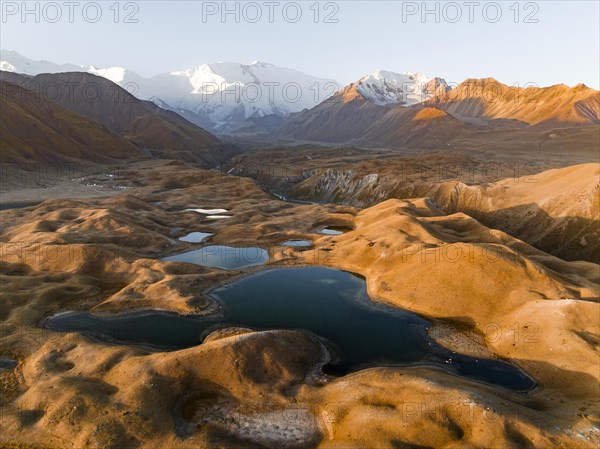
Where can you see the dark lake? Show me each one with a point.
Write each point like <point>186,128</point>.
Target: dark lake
<point>7,206</point>
<point>6,363</point>
<point>330,303</point>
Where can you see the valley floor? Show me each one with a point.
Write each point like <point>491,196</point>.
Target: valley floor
<point>486,292</point>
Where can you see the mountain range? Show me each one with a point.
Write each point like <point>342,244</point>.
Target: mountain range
<point>473,107</point>
<point>178,114</point>
<point>222,96</point>
<point>488,102</point>
<point>215,96</point>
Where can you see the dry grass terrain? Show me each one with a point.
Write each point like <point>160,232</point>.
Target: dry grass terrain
<point>244,388</point>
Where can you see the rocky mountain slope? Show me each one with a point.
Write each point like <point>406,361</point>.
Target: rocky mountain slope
<point>490,103</point>
<point>35,130</point>
<point>427,127</point>
<point>162,133</point>
<point>466,113</point>
<point>340,118</point>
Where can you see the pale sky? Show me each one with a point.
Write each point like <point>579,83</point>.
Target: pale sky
<point>561,47</point>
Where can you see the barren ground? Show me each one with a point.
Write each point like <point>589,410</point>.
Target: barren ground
<point>487,293</point>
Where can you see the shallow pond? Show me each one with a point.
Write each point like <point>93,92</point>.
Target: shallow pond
<point>225,257</point>
<point>335,230</point>
<point>207,211</point>
<point>298,243</point>
<point>330,303</point>
<point>195,237</point>
<point>6,363</point>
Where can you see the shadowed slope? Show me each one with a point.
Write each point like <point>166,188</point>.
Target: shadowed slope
<point>556,210</point>
<point>164,133</point>
<point>340,118</point>
<point>470,111</point>
<point>36,130</point>
<point>427,128</point>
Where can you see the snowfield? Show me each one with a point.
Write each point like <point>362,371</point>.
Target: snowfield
<point>389,88</point>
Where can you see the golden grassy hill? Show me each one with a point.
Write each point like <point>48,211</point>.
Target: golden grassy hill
<point>556,210</point>
<point>70,391</point>
<point>493,103</point>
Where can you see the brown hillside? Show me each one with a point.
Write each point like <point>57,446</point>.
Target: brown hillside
<point>341,118</point>
<point>164,133</point>
<point>489,102</point>
<point>35,130</point>
<point>428,127</point>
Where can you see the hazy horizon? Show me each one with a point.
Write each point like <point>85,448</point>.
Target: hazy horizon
<point>367,37</point>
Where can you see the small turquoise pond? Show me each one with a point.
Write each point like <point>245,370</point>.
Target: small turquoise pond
<point>335,230</point>
<point>225,257</point>
<point>298,243</point>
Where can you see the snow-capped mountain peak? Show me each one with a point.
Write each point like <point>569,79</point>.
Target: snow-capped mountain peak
<point>11,61</point>
<point>390,88</point>
<point>217,96</point>
<point>115,74</point>
<point>226,91</point>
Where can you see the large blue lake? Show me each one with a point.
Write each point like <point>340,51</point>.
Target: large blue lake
<point>330,303</point>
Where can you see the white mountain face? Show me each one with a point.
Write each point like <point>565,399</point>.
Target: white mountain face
<point>218,96</point>
<point>11,61</point>
<point>388,88</point>
<point>229,91</point>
